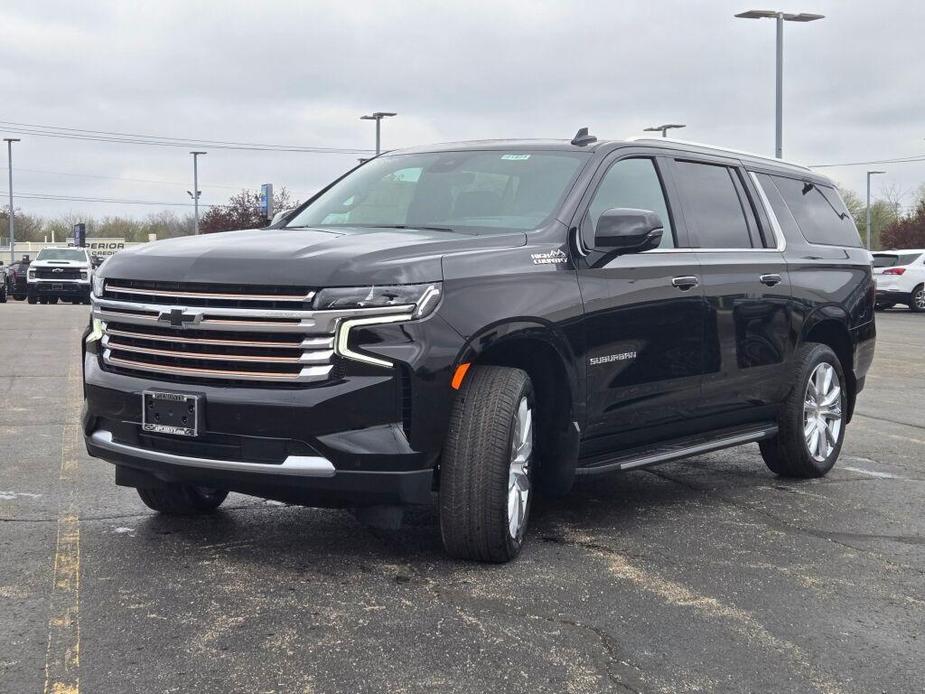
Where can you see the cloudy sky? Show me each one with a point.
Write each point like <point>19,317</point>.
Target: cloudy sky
<point>299,72</point>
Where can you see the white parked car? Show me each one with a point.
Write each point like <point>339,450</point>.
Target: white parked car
<point>60,273</point>
<point>900,277</point>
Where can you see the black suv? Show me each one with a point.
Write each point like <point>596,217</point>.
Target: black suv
<point>482,321</point>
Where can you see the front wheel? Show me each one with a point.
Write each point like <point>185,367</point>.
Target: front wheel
<point>811,426</point>
<point>486,471</point>
<point>31,298</point>
<point>182,499</point>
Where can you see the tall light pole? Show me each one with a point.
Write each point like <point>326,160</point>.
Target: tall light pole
<point>378,116</point>
<point>9,153</point>
<point>780,17</point>
<point>663,129</point>
<point>869,174</point>
<point>195,192</point>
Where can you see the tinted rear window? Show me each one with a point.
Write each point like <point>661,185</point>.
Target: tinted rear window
<point>713,206</point>
<point>891,259</point>
<point>819,212</point>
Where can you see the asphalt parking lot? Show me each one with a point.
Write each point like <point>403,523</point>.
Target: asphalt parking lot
<point>709,575</point>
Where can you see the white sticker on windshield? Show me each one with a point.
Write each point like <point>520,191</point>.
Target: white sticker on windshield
<point>515,157</point>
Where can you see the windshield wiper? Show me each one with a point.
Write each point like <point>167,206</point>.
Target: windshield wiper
<point>402,226</point>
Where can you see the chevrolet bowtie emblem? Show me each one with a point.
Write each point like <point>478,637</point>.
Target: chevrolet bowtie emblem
<point>179,318</point>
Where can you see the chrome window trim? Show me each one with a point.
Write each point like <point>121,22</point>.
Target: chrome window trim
<point>766,204</point>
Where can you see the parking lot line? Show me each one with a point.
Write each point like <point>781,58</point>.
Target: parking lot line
<point>62,655</point>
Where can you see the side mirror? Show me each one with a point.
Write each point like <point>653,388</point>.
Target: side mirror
<point>95,261</point>
<point>623,230</point>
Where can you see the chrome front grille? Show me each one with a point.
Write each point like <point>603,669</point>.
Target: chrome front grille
<point>219,332</point>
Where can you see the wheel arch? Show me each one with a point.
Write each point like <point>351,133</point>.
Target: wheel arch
<point>537,348</point>
<point>830,327</point>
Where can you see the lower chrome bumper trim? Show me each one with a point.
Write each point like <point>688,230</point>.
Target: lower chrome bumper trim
<point>299,465</point>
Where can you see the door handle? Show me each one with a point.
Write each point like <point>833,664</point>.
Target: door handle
<point>771,280</point>
<point>685,282</point>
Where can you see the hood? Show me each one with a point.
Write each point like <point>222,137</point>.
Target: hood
<point>302,257</point>
<point>83,264</point>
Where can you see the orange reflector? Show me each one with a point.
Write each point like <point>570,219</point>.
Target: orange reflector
<point>459,375</point>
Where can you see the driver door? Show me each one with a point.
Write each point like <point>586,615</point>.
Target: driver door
<point>644,317</point>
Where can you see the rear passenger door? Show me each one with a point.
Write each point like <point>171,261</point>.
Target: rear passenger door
<point>747,340</point>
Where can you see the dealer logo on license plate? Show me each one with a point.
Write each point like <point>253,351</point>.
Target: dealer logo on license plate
<point>164,412</point>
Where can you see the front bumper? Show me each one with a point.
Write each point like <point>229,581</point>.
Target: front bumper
<point>371,436</point>
<point>63,288</point>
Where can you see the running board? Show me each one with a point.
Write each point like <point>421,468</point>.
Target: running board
<point>628,460</point>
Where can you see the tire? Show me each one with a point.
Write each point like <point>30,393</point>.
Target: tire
<point>883,307</point>
<point>789,453</point>
<point>182,499</point>
<point>2,295</point>
<point>76,301</point>
<point>31,299</point>
<point>487,466</point>
<point>43,300</point>
<point>52,300</point>
<point>917,299</point>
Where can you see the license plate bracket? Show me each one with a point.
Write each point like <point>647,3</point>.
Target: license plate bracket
<point>170,412</point>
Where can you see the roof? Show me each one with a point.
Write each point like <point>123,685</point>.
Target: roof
<point>566,145</point>
<point>522,144</point>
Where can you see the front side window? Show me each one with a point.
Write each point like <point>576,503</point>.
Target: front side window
<point>631,183</point>
<point>475,190</point>
<point>819,212</point>
<point>73,254</point>
<point>715,208</point>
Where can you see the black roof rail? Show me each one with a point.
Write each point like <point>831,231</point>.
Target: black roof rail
<point>582,138</point>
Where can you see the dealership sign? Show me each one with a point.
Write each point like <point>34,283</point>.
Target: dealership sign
<point>101,247</point>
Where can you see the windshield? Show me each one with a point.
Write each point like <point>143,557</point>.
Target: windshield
<point>62,254</point>
<point>890,260</point>
<point>474,190</point>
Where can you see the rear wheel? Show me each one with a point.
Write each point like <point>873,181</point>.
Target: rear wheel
<point>487,467</point>
<point>811,426</point>
<point>182,499</point>
<point>917,300</point>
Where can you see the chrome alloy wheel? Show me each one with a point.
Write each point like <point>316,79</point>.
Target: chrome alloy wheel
<point>919,299</point>
<point>518,482</point>
<point>822,413</point>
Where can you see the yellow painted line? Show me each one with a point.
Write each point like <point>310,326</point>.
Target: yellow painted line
<point>62,654</point>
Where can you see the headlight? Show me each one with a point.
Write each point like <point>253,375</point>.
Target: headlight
<point>423,297</point>
<point>97,286</point>
<point>31,275</point>
<point>410,301</point>
<point>84,275</point>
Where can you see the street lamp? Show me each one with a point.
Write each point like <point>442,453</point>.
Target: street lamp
<point>781,17</point>
<point>9,152</point>
<point>663,129</point>
<point>869,174</point>
<point>378,116</point>
<point>195,192</point>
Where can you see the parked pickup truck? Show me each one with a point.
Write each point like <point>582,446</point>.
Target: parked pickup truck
<point>60,273</point>
<point>482,321</point>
